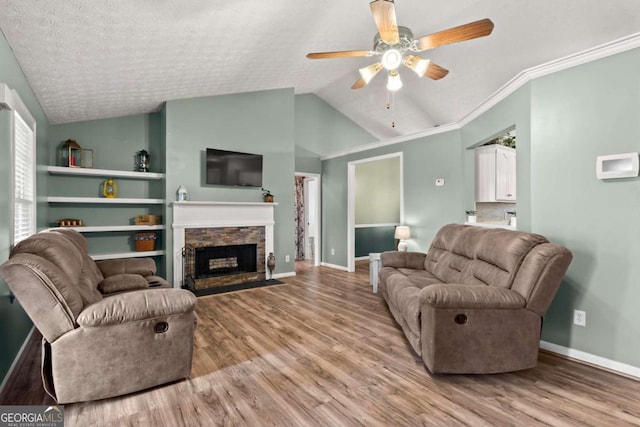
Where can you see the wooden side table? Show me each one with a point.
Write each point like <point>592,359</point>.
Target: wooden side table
<point>374,270</point>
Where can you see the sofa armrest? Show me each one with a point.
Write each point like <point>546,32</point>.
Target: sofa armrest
<point>141,266</point>
<point>136,306</point>
<point>470,296</point>
<point>398,259</point>
<point>122,282</point>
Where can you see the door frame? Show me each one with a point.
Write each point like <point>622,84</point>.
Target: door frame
<point>351,202</point>
<point>317,244</point>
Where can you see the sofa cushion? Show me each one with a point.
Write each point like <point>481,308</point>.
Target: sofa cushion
<point>66,255</point>
<point>58,281</point>
<point>58,251</point>
<point>499,254</point>
<point>50,310</point>
<point>141,266</point>
<point>90,275</point>
<point>122,282</point>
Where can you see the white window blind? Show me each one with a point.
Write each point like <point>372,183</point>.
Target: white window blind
<point>24,203</point>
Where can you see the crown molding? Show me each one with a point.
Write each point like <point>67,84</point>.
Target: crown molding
<point>598,52</point>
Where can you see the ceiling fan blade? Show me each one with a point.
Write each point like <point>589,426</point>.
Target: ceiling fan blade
<point>384,13</point>
<point>435,72</point>
<point>462,33</point>
<point>339,54</point>
<point>359,84</point>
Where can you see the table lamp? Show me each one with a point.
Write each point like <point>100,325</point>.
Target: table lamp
<point>402,233</point>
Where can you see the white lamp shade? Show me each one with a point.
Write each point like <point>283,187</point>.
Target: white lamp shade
<point>403,232</point>
<point>394,82</point>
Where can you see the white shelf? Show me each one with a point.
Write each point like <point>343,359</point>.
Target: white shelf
<point>106,228</point>
<point>118,255</point>
<point>104,200</point>
<point>62,170</point>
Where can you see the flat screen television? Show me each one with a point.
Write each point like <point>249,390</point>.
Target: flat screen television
<point>233,168</point>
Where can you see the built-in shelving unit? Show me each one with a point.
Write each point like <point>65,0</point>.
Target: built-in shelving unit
<point>108,228</point>
<point>100,200</point>
<point>63,170</point>
<point>63,202</point>
<point>118,255</point>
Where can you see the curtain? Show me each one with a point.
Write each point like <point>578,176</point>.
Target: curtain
<point>299,216</point>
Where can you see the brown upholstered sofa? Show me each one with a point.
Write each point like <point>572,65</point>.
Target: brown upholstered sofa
<point>474,303</point>
<point>108,328</point>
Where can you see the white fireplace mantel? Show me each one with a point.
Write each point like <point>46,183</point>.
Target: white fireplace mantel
<point>218,214</point>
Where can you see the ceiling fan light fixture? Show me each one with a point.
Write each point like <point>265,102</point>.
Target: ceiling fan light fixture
<point>391,59</point>
<point>368,73</point>
<point>394,82</point>
<point>417,64</point>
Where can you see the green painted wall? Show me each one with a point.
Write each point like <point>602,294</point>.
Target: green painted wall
<point>426,207</point>
<point>259,122</point>
<point>319,130</point>
<point>14,323</point>
<point>377,198</point>
<point>374,239</point>
<point>579,114</point>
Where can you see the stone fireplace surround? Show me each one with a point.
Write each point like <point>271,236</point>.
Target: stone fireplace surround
<point>203,215</point>
<point>223,240</point>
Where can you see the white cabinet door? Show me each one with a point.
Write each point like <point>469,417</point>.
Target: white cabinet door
<point>485,162</point>
<point>495,174</point>
<point>505,175</point>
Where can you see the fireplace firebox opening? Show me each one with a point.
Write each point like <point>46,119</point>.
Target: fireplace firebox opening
<point>214,261</point>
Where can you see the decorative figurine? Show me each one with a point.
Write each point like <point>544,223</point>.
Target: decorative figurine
<point>271,264</point>
<point>183,194</point>
<point>267,196</point>
<point>143,159</point>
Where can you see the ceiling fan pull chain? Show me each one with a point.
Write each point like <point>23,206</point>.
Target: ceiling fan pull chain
<point>392,104</point>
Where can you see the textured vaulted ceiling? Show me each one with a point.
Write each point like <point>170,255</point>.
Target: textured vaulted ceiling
<point>97,59</point>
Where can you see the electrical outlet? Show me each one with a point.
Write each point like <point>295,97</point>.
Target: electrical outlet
<point>287,258</point>
<point>439,182</point>
<point>579,317</point>
<point>333,251</point>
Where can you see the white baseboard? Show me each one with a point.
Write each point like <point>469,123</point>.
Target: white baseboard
<point>281,275</point>
<point>592,359</point>
<point>337,267</point>
<point>362,258</point>
<point>15,360</point>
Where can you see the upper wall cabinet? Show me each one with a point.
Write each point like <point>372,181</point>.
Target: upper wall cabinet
<point>495,174</point>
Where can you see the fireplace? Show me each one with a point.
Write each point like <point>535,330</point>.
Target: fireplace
<point>222,256</point>
<point>199,224</point>
<point>213,261</point>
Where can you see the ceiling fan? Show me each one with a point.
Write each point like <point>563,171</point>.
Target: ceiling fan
<point>396,45</point>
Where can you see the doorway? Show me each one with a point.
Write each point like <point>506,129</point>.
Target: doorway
<point>375,201</point>
<point>307,217</point>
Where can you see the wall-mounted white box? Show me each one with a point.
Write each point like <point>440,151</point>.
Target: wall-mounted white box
<point>624,165</point>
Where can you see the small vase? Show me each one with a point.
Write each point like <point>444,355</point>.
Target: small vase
<point>471,219</point>
<point>268,198</point>
<point>271,264</point>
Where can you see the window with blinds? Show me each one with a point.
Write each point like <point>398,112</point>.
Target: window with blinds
<point>24,164</point>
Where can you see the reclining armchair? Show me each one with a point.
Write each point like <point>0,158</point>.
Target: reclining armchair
<point>96,346</point>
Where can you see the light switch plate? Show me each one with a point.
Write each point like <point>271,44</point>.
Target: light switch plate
<point>440,182</point>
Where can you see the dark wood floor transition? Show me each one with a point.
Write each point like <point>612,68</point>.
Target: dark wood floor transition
<point>322,350</point>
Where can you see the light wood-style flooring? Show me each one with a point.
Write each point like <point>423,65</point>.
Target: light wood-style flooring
<point>322,350</point>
